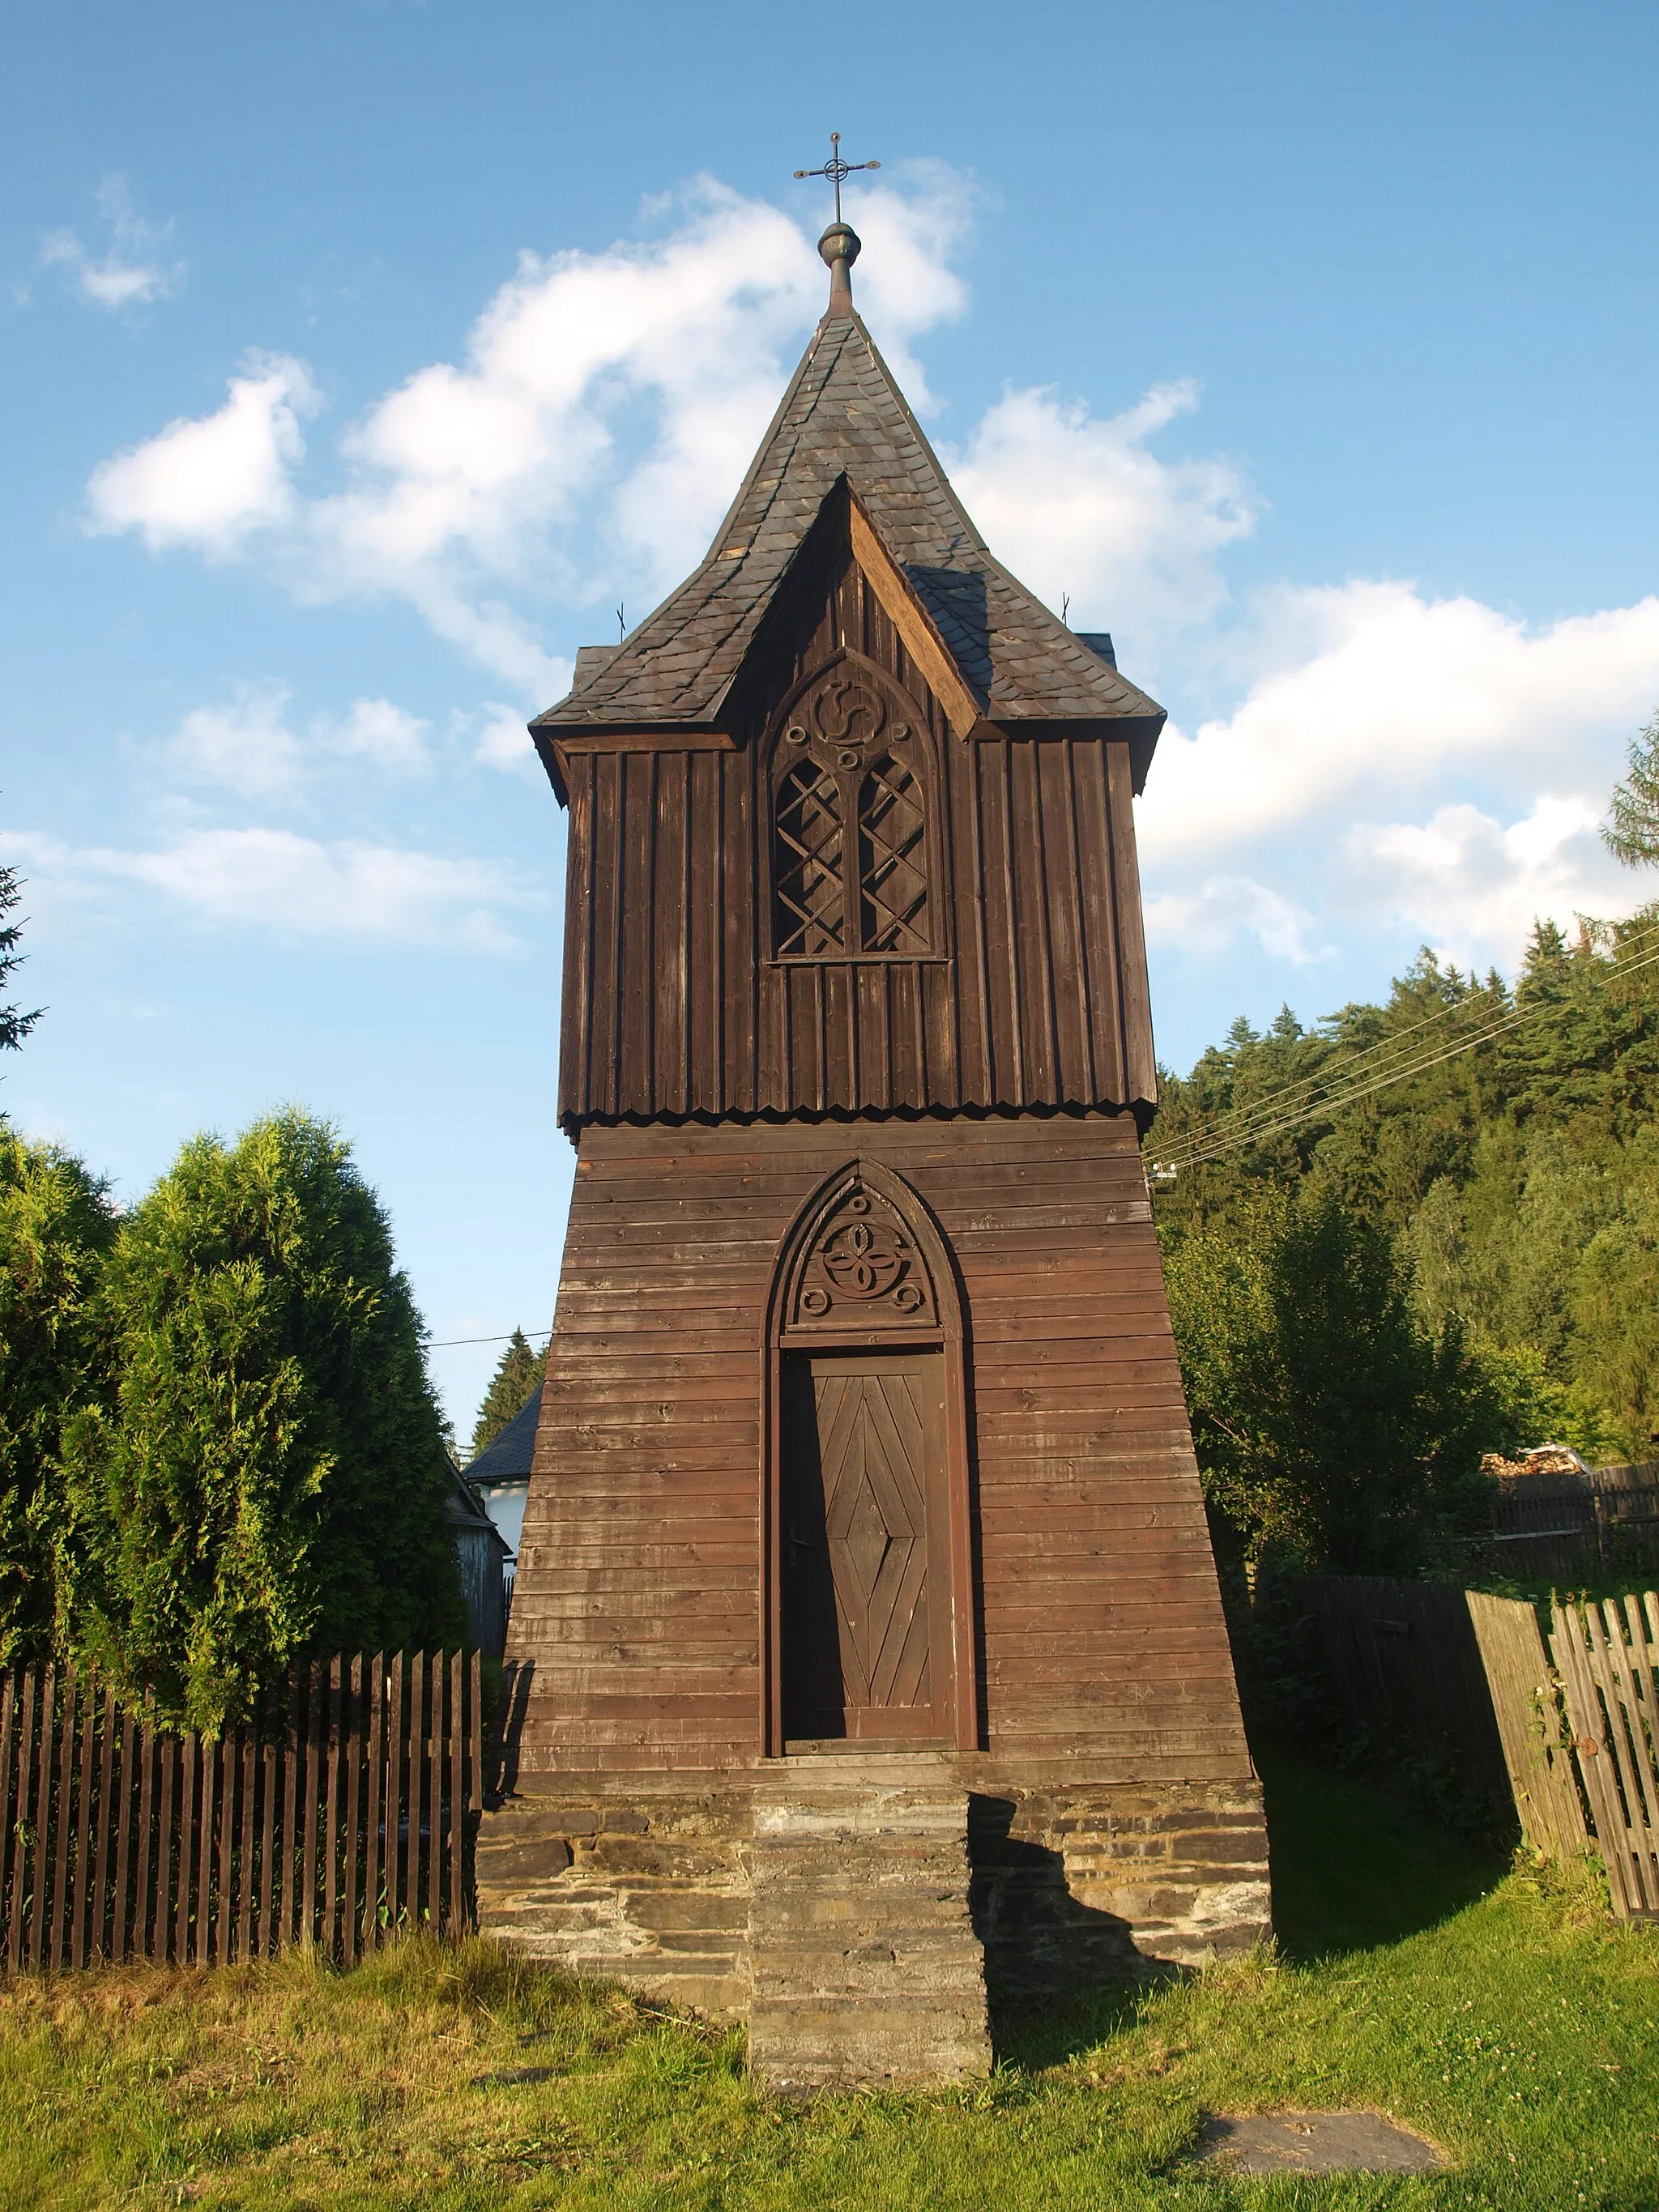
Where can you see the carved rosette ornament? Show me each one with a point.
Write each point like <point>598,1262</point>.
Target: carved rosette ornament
<point>861,1270</point>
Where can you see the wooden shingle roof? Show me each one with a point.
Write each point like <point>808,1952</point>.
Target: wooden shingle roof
<point>843,416</point>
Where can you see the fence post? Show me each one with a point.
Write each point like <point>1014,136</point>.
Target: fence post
<point>375,1734</point>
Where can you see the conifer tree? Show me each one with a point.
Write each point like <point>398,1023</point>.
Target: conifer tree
<point>56,1226</point>
<point>517,1372</point>
<point>1631,833</point>
<point>266,1478</point>
<point>13,1026</point>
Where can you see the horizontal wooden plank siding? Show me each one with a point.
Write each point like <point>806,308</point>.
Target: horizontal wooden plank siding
<point>638,1593</point>
<point>1033,993</point>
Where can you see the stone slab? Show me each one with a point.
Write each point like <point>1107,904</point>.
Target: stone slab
<point>1316,2143</point>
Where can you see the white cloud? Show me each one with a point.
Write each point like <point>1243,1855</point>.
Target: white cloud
<point>1080,506</point>
<point>244,746</point>
<point>1473,886</point>
<point>298,887</point>
<point>132,272</point>
<point>603,411</point>
<point>1379,691</point>
<point>504,741</point>
<point>208,482</point>
<point>1224,908</point>
<point>375,730</point>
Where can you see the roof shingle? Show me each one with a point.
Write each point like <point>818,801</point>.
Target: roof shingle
<point>844,414</point>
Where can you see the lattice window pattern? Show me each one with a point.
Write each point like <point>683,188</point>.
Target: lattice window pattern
<point>810,883</point>
<point>892,860</point>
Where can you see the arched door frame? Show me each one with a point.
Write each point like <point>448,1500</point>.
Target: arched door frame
<point>942,1329</point>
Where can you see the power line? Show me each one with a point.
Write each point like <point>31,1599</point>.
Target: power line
<point>446,1343</point>
<point>1239,1120</point>
<point>1227,1135</point>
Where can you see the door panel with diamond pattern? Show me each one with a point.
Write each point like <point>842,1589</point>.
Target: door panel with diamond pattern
<point>862,1505</point>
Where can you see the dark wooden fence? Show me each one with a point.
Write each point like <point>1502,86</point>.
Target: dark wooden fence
<point>1403,1661</point>
<point>1571,1527</point>
<point>1568,1723</point>
<point>346,1825</point>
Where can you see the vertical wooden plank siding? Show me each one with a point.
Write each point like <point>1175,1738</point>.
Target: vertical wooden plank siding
<point>376,1753</point>
<point>187,1838</point>
<point>333,1754</point>
<point>456,1823</point>
<point>1034,995</point>
<point>1525,1701</point>
<point>11,1813</point>
<point>289,1923</point>
<point>246,1885</point>
<point>119,1839</point>
<point>227,1760</point>
<point>1590,1724</point>
<point>432,1766</point>
<point>43,1815</point>
<point>98,1937</point>
<point>166,1753</point>
<point>269,1881</point>
<point>204,1837</point>
<point>353,1748</point>
<point>391,1851</point>
<point>57,1946</point>
<point>474,1785</point>
<point>307,1929</point>
<point>80,1894</point>
<point>417,1766</point>
<point>124,1838</point>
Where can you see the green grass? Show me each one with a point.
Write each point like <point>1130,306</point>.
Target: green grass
<point>1519,2026</point>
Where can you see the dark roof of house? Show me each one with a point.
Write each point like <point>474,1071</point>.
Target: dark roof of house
<point>843,414</point>
<point>507,1457</point>
<point>467,1511</point>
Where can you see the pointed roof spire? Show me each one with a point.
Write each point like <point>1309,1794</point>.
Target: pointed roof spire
<point>840,247</point>
<point>843,420</point>
<point>840,244</point>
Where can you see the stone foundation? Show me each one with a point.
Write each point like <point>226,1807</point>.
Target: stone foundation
<point>666,1887</point>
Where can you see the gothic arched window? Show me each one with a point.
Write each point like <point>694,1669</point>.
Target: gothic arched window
<point>892,860</point>
<point>850,850</point>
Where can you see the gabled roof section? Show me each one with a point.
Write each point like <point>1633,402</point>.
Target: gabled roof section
<point>507,1458</point>
<point>843,416</point>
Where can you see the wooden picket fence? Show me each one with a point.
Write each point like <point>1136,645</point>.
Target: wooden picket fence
<point>342,1829</point>
<point>1571,1719</point>
<point>1606,1659</point>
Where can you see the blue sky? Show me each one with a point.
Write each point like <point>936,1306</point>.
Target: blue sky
<point>361,359</point>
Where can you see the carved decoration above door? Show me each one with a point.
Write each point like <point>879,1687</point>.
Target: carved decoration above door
<point>861,1270</point>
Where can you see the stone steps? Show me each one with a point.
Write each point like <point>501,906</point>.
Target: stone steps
<point>864,1963</point>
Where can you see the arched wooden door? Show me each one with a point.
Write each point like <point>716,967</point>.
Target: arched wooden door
<point>869,1613</point>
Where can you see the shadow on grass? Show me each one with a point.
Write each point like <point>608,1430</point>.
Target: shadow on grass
<point>1354,1869</point>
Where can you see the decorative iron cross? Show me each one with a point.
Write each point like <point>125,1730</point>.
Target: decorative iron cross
<point>835,168</point>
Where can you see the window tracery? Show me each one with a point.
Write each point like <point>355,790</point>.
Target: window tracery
<point>850,846</point>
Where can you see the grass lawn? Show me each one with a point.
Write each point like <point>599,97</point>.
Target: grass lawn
<point>1504,2014</point>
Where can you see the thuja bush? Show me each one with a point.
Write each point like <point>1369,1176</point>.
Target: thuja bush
<point>265,1476</point>
<point>56,1226</point>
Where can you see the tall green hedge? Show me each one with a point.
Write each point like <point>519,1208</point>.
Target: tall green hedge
<point>265,1476</point>
<point>56,1226</point>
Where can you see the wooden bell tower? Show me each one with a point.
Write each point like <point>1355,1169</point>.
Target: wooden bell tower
<point>863,1458</point>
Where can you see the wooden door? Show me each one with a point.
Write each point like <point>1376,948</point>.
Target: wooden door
<point>864,1547</point>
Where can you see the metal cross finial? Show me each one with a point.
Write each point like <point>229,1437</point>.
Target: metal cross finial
<point>835,168</point>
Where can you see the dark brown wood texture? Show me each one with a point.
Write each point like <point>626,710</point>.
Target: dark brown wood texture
<point>1032,992</point>
<point>637,1605</point>
<point>863,1483</point>
<point>118,1842</point>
